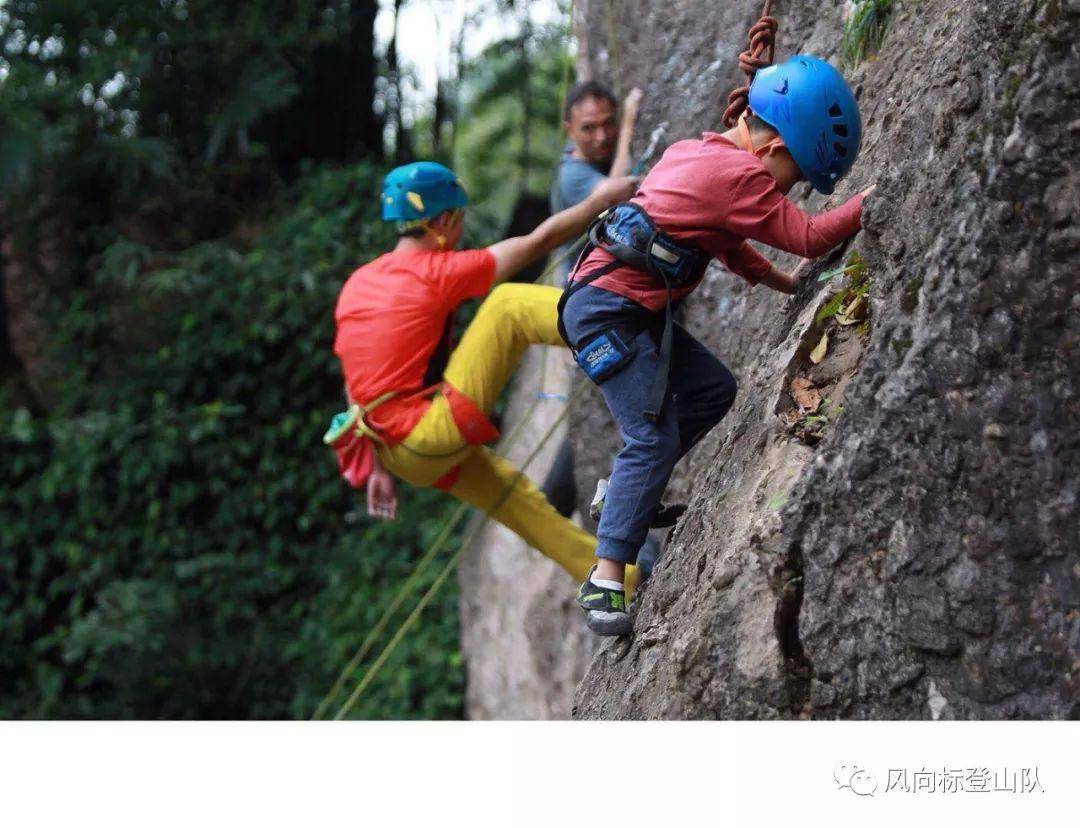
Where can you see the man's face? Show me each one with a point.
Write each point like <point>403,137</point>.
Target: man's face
<point>593,129</point>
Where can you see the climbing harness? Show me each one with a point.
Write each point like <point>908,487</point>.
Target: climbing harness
<point>350,431</point>
<point>632,238</point>
<point>355,420</point>
<point>629,234</point>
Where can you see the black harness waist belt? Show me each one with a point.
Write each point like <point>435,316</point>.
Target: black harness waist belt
<point>628,233</point>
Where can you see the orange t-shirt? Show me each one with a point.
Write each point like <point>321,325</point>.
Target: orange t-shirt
<point>390,317</point>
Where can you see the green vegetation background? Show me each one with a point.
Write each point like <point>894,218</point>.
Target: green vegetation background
<point>175,540</point>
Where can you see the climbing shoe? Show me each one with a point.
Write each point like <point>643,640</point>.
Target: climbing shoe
<point>597,505</point>
<point>605,609</point>
<point>668,516</point>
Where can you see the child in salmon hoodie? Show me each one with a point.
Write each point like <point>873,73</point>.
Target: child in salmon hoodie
<point>703,200</point>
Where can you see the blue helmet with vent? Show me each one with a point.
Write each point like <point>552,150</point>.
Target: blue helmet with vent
<point>419,191</point>
<point>810,104</point>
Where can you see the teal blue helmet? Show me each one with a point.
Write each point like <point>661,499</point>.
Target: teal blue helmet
<point>810,104</point>
<point>420,191</point>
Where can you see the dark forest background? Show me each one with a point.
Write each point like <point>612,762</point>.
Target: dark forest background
<point>184,187</point>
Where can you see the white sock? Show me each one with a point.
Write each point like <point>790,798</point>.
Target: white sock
<point>600,582</point>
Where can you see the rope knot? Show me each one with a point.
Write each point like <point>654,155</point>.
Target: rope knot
<point>758,55</point>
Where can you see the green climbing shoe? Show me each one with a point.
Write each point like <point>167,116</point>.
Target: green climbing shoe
<point>605,609</point>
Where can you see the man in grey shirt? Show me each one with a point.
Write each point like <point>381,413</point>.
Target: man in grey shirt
<point>598,147</point>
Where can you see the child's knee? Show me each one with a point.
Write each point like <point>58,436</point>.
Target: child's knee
<point>658,446</point>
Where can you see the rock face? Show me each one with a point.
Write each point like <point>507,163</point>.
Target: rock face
<point>914,556</point>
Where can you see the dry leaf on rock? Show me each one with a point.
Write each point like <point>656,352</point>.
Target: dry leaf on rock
<point>805,395</point>
<point>855,312</point>
<point>818,353</point>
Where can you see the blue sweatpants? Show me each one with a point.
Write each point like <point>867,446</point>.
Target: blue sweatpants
<point>700,391</point>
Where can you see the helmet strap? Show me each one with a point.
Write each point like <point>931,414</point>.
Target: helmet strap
<point>762,152</point>
<point>440,239</point>
<point>454,220</point>
<point>425,225</point>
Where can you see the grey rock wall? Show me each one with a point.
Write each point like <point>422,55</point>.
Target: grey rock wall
<point>917,557</point>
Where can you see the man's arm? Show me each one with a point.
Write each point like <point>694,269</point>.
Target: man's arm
<point>621,163</point>
<point>511,255</point>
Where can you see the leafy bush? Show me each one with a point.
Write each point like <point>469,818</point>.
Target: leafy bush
<point>865,30</point>
<point>176,542</point>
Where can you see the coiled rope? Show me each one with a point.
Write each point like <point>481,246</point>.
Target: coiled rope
<point>758,55</point>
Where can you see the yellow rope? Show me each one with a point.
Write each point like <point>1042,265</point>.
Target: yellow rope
<point>405,589</point>
<point>373,670</point>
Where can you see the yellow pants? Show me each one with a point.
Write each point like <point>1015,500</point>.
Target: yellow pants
<point>511,318</point>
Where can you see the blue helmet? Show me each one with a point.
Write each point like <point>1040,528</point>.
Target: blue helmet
<point>419,191</point>
<point>810,104</point>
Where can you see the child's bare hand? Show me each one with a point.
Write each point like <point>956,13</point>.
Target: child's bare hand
<point>633,102</point>
<point>800,271</point>
<point>869,190</point>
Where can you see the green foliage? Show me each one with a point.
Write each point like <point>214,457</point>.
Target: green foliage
<point>865,30</point>
<point>490,133</point>
<point>148,88</point>
<point>858,284</point>
<point>176,540</point>
<point>261,88</point>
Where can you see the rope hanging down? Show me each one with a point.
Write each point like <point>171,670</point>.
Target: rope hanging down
<point>758,55</point>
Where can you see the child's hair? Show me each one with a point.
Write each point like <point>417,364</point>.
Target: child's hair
<point>756,124</point>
